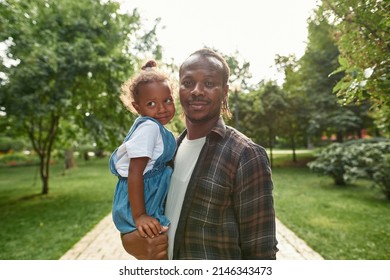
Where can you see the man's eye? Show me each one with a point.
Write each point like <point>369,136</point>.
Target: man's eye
<point>187,83</point>
<point>209,84</point>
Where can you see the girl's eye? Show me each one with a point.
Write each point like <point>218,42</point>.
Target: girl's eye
<point>151,104</point>
<point>169,101</point>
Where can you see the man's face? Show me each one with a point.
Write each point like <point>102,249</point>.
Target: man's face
<point>201,88</point>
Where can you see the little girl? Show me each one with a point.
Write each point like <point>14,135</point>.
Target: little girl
<point>141,162</point>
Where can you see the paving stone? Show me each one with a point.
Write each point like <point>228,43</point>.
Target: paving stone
<point>103,243</point>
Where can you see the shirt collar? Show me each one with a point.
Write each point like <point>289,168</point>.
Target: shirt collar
<point>219,128</point>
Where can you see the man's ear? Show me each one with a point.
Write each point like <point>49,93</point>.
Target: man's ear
<point>226,91</point>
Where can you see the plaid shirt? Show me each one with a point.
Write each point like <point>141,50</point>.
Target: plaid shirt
<point>228,210</point>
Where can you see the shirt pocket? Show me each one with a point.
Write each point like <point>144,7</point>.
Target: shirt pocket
<point>212,203</point>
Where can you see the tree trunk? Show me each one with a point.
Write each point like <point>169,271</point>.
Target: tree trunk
<point>339,137</point>
<point>309,143</point>
<point>44,170</point>
<point>42,139</point>
<point>86,156</point>
<point>339,181</point>
<point>45,186</point>
<point>69,159</point>
<point>294,154</point>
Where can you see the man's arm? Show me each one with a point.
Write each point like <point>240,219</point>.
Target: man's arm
<point>146,248</point>
<point>253,201</point>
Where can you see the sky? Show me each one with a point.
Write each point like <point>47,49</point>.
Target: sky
<point>258,29</point>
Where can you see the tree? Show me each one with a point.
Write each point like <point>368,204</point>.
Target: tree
<point>70,58</point>
<point>273,108</point>
<point>362,36</point>
<point>326,114</point>
<point>238,81</point>
<point>251,117</point>
<point>239,70</point>
<point>295,120</point>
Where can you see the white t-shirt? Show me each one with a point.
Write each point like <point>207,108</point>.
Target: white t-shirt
<point>146,141</point>
<point>185,160</point>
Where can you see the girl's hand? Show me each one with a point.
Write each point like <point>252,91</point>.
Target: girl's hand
<point>148,226</point>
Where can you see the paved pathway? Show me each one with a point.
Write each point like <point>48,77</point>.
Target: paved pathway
<point>103,243</point>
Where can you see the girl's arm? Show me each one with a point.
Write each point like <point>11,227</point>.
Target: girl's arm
<point>146,225</point>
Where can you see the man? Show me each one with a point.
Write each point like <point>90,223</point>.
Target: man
<point>220,201</point>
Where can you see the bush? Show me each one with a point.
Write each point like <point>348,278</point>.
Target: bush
<point>356,160</point>
<point>382,176</point>
<point>330,162</point>
<point>7,144</point>
<point>18,159</point>
<point>362,161</point>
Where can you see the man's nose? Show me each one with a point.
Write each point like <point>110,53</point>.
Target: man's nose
<point>198,89</point>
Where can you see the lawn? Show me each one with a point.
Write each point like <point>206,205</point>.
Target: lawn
<point>45,227</point>
<point>351,222</point>
<point>340,223</point>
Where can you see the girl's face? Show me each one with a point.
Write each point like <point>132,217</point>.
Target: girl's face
<point>155,100</point>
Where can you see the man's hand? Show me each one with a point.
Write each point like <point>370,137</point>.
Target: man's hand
<point>146,248</point>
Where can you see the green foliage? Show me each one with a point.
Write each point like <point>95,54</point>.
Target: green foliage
<point>381,176</point>
<point>325,114</point>
<point>262,113</point>
<point>347,162</point>
<point>296,118</point>
<point>330,162</point>
<point>69,60</point>
<point>361,31</point>
<point>313,109</point>
<point>8,144</point>
<point>369,161</point>
<point>18,159</point>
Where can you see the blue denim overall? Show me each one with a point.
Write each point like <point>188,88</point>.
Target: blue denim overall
<point>156,183</point>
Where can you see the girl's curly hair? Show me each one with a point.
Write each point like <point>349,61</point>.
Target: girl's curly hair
<point>149,74</point>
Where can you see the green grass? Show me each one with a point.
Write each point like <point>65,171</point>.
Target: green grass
<point>45,227</point>
<point>351,222</point>
<point>283,158</point>
<point>339,223</point>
